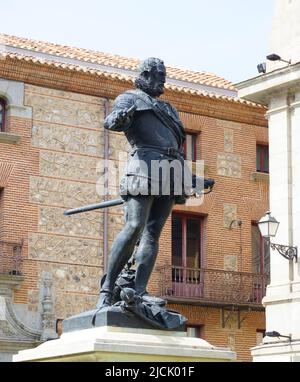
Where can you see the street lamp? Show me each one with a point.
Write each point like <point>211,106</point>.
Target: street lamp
<point>268,227</point>
<point>277,335</point>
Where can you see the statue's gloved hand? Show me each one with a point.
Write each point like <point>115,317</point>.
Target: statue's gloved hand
<point>124,116</point>
<point>199,184</point>
<point>208,183</point>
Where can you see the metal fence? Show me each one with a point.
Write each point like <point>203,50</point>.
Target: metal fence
<point>213,285</point>
<point>10,258</point>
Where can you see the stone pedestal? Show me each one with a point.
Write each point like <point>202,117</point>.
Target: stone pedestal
<point>283,351</point>
<point>114,344</point>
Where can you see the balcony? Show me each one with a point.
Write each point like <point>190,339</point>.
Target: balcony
<point>213,287</point>
<point>10,258</point>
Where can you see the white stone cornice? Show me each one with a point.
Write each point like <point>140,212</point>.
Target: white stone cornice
<point>262,88</point>
<point>277,110</point>
<point>295,105</point>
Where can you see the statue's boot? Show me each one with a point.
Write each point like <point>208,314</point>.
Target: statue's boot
<point>152,300</point>
<point>105,299</point>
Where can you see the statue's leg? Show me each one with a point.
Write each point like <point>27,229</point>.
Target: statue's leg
<point>137,213</point>
<point>148,247</point>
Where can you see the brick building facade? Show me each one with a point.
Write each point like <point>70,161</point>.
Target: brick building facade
<point>52,150</point>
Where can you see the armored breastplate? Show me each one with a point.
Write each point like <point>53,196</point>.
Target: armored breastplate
<point>148,130</point>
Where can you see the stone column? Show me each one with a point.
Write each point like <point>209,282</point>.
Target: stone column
<point>285,36</point>
<point>282,141</point>
<point>295,128</point>
<point>48,316</point>
<point>280,186</point>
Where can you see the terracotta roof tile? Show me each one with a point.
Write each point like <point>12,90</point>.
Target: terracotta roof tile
<point>203,78</point>
<point>126,78</point>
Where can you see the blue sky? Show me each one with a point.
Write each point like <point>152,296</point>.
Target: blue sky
<point>226,37</point>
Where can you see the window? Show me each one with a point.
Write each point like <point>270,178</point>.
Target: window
<point>187,275</point>
<point>190,147</point>
<point>262,158</point>
<point>2,114</point>
<point>186,241</point>
<point>260,252</point>
<point>195,331</point>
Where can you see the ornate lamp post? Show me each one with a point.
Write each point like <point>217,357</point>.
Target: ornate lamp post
<point>268,227</point>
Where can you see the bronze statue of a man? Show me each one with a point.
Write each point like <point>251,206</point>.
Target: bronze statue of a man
<point>155,133</point>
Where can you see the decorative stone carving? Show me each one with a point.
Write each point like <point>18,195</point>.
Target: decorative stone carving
<point>230,214</point>
<point>65,111</point>
<point>228,141</point>
<point>230,263</point>
<point>62,193</point>
<point>62,249</point>
<point>67,139</point>
<point>52,220</point>
<point>229,165</point>
<point>48,316</point>
<point>69,166</point>
<point>231,319</point>
<point>72,278</point>
<point>6,329</point>
<point>15,335</point>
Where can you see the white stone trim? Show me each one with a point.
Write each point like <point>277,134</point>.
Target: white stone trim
<point>281,351</point>
<point>295,105</point>
<point>262,88</point>
<point>13,92</point>
<point>277,110</point>
<point>9,138</point>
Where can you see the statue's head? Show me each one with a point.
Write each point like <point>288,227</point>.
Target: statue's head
<point>152,77</point>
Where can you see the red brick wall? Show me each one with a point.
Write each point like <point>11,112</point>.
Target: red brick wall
<point>19,216</point>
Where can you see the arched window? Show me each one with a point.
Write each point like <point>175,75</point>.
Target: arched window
<point>2,114</point>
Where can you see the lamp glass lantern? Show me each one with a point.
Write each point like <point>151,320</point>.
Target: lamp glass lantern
<point>268,226</point>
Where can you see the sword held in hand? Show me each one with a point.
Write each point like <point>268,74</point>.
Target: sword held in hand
<point>92,207</point>
<point>208,185</point>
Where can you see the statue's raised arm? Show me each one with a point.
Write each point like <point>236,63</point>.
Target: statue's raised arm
<point>121,117</point>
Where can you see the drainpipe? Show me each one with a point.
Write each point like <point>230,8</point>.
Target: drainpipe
<point>105,213</point>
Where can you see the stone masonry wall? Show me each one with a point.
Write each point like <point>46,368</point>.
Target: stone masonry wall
<point>67,130</point>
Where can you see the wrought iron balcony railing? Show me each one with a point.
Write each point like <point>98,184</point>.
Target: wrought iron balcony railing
<point>213,286</point>
<point>10,258</point>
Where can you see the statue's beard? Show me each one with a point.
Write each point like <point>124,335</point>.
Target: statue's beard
<point>146,87</point>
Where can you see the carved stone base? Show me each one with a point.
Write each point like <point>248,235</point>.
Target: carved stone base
<point>113,344</point>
